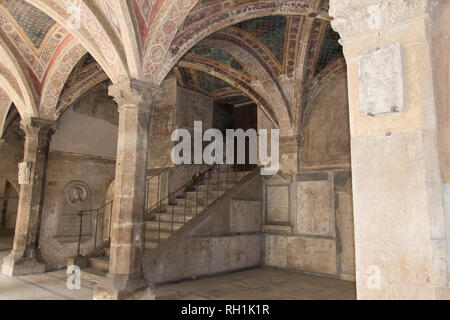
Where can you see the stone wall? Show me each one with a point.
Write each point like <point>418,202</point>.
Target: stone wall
<point>441,69</point>
<point>308,216</point>
<point>308,223</point>
<point>326,131</point>
<point>82,165</point>
<point>226,238</point>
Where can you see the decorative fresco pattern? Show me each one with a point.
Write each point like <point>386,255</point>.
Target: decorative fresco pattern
<point>270,31</point>
<point>37,59</point>
<point>330,51</point>
<point>219,55</point>
<point>210,83</point>
<point>145,12</point>
<point>57,78</point>
<point>34,23</point>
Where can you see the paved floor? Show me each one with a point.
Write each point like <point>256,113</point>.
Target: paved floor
<point>258,284</point>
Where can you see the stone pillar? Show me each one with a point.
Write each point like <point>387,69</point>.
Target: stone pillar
<point>24,257</point>
<point>125,279</point>
<point>290,154</point>
<point>400,235</point>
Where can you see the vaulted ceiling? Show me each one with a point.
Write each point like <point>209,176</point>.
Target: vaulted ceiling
<point>267,51</point>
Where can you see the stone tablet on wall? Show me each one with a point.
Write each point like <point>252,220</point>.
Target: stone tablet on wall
<point>381,81</point>
<point>277,204</point>
<point>75,198</point>
<point>314,208</point>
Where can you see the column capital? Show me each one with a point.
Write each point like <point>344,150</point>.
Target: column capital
<point>38,127</point>
<point>354,17</point>
<point>134,93</point>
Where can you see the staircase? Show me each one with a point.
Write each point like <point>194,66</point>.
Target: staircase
<point>173,212</point>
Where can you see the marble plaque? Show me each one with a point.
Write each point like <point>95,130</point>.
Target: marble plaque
<point>24,173</point>
<point>381,81</point>
<point>312,255</point>
<point>277,204</point>
<point>314,208</point>
<point>276,251</point>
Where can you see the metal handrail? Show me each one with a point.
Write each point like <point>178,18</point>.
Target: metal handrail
<point>83,212</point>
<point>147,186</point>
<point>193,183</point>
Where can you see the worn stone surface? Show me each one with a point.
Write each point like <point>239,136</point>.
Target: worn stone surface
<point>135,100</point>
<point>396,173</point>
<point>315,208</point>
<point>25,257</point>
<point>326,131</point>
<point>381,81</point>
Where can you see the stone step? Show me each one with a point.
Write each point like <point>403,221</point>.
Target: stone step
<point>222,187</point>
<point>93,275</point>
<point>177,217</point>
<point>155,225</point>
<point>151,245</point>
<point>211,194</point>
<point>151,235</point>
<point>99,263</point>
<point>180,208</point>
<point>231,175</point>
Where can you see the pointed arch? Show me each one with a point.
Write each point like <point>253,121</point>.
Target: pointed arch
<point>209,19</point>
<point>57,76</point>
<point>97,38</point>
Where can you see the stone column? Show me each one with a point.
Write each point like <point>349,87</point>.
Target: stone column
<point>24,257</point>
<point>125,279</point>
<point>400,235</point>
<point>290,154</point>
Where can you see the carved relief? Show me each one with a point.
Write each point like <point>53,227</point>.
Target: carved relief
<point>75,198</point>
<point>381,81</point>
<point>277,204</point>
<point>24,173</point>
<point>353,17</point>
<point>314,207</point>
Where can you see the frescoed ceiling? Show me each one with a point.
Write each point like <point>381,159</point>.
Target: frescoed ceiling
<point>330,50</point>
<point>269,50</point>
<point>35,24</point>
<point>219,55</point>
<point>270,31</point>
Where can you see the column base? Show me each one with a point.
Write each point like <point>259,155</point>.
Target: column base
<point>124,288</point>
<point>16,265</point>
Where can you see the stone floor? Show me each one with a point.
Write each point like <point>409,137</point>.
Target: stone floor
<point>258,284</point>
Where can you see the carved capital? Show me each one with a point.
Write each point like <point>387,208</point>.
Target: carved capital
<point>353,17</point>
<point>36,127</point>
<point>135,94</point>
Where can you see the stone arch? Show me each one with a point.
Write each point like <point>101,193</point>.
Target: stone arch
<point>169,18</point>
<point>212,18</point>
<point>244,87</point>
<point>79,89</point>
<point>57,76</point>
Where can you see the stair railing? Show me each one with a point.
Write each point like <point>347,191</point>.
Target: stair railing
<point>204,179</point>
<point>105,209</point>
<point>156,177</point>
